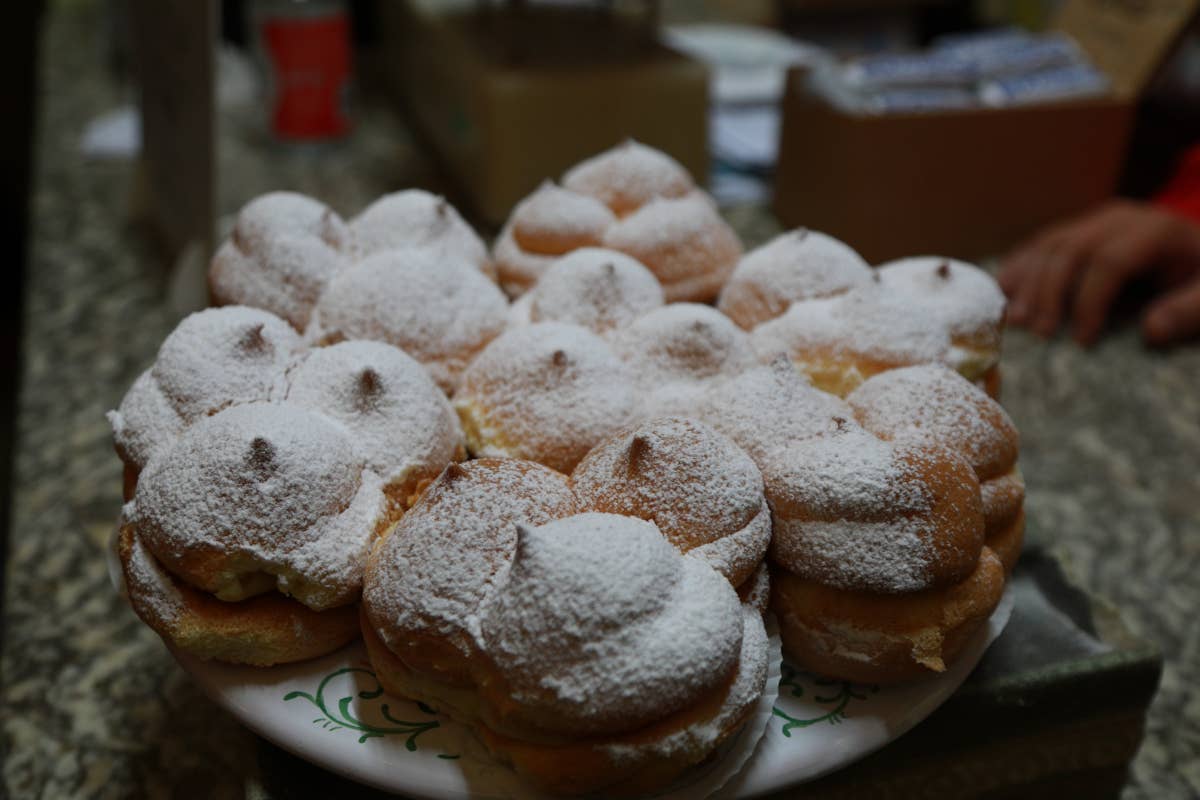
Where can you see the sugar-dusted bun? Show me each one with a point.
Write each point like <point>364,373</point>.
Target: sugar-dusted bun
<point>296,516</point>
<point>961,298</point>
<point>297,509</point>
<point>669,226</point>
<point>797,265</point>
<point>517,269</point>
<point>425,582</point>
<point>404,426</point>
<point>602,290</point>
<point>213,359</point>
<point>284,250</point>
<point>685,341</point>
<point>417,219</point>
<point>584,649</point>
<point>876,638</point>
<point>841,341</point>
<point>683,241</point>
<point>549,223</point>
<point>755,591</point>
<point>441,311</point>
<point>144,423</point>
<point>932,404</point>
<point>613,662</point>
<point>879,569</point>
<point>678,351</point>
<point>553,221</point>
<point>1004,515</point>
<point>855,512</point>
<point>222,356</point>
<point>648,760</point>
<point>704,494</point>
<point>262,630</point>
<point>547,392</point>
<point>769,405</point>
<point>633,199</point>
<point>597,608</point>
<point>628,177</point>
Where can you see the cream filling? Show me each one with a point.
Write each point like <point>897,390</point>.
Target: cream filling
<point>971,363</point>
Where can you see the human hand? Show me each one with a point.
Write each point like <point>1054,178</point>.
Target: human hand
<point>1080,266</point>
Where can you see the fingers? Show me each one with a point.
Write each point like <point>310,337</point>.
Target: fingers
<point>1132,250</point>
<point>1082,266</point>
<point>1018,280</point>
<point>1060,271</point>
<point>1040,277</point>
<point>1098,290</point>
<point>1174,317</point>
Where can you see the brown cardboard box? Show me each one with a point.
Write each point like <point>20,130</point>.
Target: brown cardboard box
<point>973,182</point>
<point>510,96</point>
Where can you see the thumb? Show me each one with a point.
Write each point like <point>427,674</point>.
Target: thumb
<point>1173,317</point>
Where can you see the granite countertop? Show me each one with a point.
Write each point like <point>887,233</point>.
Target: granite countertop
<point>93,705</point>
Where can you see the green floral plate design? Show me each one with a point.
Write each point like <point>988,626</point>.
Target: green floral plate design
<point>342,716</point>
<point>838,695</point>
<point>333,712</point>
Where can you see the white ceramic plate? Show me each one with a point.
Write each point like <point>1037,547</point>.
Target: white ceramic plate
<point>332,712</point>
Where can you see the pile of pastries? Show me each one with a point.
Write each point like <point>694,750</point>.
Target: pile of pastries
<point>555,486</point>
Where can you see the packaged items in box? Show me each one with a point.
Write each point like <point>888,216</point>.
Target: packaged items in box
<point>992,68</point>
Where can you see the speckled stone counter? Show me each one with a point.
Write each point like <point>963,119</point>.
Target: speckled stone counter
<point>94,707</point>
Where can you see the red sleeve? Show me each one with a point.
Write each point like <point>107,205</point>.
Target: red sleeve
<point>1182,192</point>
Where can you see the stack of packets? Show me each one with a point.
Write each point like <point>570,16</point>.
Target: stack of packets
<point>998,68</point>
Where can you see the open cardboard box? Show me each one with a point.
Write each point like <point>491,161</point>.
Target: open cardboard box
<point>971,183</point>
<point>508,96</point>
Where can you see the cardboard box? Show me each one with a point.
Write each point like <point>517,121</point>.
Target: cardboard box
<point>510,96</point>
<point>973,182</point>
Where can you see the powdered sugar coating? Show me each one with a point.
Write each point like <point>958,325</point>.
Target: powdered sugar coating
<point>284,250</point>
<point>262,488</point>
<point>960,297</point>
<point>842,340</point>
<point>769,405</point>
<point>600,289</point>
<point>862,513</point>
<point>145,421</point>
<point>867,322</point>
<point>517,269</point>
<point>439,310</point>
<point>519,311</point>
<point>683,241</point>
<point>677,351</point>
<point>684,341</point>
<point>430,576</point>
<point>628,176</point>
<point>403,425</point>
<point>553,221</point>
<point>547,392</point>
<point>856,512</point>
<point>737,555</point>
<point>747,687</point>
<point>417,219</point>
<point>694,483</point>
<point>601,627</point>
<point>213,359</point>
<point>151,589</point>
<point>221,356</point>
<point>932,404</point>
<point>797,265</point>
